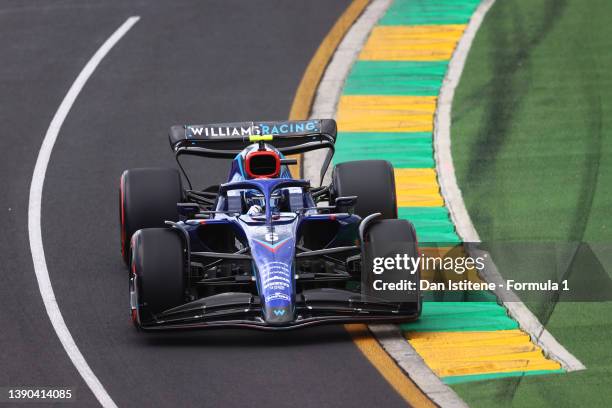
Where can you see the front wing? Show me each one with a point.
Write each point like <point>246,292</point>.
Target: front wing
<point>313,307</point>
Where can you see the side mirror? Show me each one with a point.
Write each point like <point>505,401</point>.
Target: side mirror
<point>345,204</point>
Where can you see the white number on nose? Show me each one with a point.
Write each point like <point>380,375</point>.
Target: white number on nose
<point>271,236</point>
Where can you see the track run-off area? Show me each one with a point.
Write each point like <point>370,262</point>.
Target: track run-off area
<point>532,147</point>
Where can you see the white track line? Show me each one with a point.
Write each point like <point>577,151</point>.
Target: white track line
<point>456,206</point>
<point>34,217</point>
<point>325,106</point>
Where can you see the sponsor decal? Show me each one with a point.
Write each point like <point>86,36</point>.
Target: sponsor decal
<point>284,128</point>
<point>220,131</point>
<point>253,129</point>
<point>276,276</point>
<point>278,296</point>
<point>278,312</point>
<point>271,236</point>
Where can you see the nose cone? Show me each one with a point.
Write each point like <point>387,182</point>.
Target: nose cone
<point>277,316</point>
<point>273,251</point>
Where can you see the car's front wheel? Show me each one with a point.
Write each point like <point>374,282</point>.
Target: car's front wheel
<point>385,238</point>
<point>158,272</point>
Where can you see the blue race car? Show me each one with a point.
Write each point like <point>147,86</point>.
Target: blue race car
<point>263,250</point>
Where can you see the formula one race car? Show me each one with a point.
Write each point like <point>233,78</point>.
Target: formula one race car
<point>263,250</point>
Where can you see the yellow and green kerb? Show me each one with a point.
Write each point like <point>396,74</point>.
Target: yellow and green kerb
<point>386,111</point>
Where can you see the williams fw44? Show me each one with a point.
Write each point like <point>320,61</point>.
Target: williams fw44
<point>263,250</point>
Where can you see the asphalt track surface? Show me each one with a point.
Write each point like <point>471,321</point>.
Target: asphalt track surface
<point>183,62</point>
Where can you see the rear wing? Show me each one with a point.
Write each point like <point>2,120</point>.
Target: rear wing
<point>226,140</point>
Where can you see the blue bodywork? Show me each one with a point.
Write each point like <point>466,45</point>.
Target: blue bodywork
<point>271,235</point>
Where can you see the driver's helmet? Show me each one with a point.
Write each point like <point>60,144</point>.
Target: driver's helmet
<point>256,203</point>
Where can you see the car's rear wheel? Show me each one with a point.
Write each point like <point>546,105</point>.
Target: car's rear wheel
<point>147,198</point>
<point>372,181</point>
<point>158,272</point>
<point>384,238</point>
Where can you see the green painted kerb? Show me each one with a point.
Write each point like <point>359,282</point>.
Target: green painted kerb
<point>429,12</point>
<point>433,225</point>
<point>403,150</point>
<point>461,316</point>
<point>412,78</point>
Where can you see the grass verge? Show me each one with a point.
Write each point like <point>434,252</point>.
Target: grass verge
<point>532,144</point>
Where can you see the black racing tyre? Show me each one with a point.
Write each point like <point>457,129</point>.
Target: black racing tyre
<point>147,198</point>
<point>378,236</point>
<point>372,181</point>
<point>158,271</point>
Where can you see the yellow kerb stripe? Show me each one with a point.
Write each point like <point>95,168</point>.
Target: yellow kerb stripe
<point>465,353</point>
<point>365,113</point>
<point>417,188</point>
<point>412,43</point>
